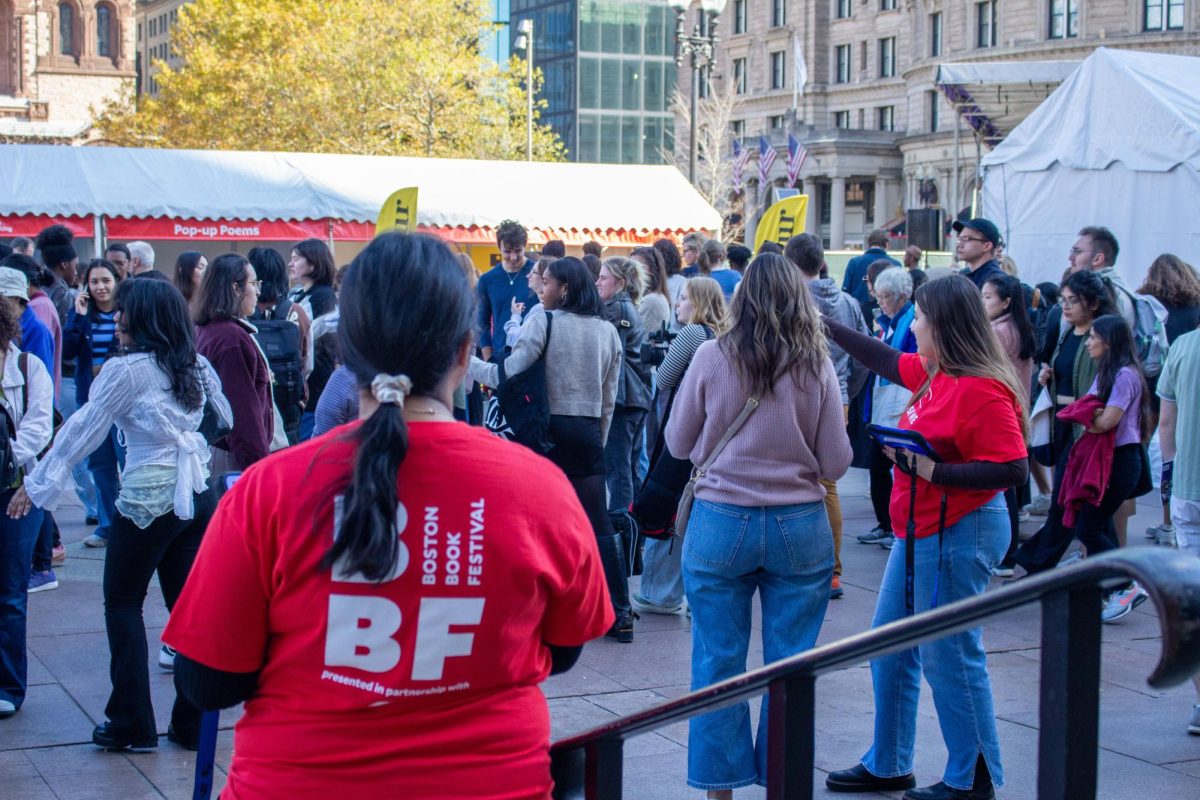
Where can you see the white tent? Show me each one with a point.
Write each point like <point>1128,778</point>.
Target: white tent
<point>1117,144</point>
<point>461,199</point>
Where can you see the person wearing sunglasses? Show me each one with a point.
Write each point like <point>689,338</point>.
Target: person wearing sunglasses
<point>228,296</point>
<point>978,247</point>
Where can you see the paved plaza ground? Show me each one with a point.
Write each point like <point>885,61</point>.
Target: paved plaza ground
<point>1145,752</point>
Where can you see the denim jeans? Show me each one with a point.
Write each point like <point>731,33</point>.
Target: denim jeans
<point>85,489</point>
<point>105,464</point>
<point>786,554</point>
<point>169,547</point>
<point>662,576</point>
<point>17,537</point>
<point>618,457</point>
<point>955,666</point>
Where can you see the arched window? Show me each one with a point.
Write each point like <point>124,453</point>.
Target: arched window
<point>105,39</point>
<point>66,30</point>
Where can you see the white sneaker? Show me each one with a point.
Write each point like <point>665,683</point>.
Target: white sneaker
<point>1040,506</point>
<point>1120,604</point>
<point>1076,555</point>
<point>93,540</point>
<point>166,659</point>
<point>7,709</point>
<point>1163,535</point>
<point>1023,516</point>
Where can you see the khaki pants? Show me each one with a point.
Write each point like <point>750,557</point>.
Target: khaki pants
<point>833,508</point>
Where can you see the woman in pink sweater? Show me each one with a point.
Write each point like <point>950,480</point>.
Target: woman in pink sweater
<point>759,522</point>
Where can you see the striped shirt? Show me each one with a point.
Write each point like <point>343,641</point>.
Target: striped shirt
<point>104,330</point>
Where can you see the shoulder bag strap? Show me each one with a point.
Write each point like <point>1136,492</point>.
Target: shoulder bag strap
<point>748,409</point>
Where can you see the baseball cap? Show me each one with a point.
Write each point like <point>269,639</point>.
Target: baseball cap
<point>13,283</point>
<point>980,225</point>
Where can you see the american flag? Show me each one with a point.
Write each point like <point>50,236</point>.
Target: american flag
<point>766,158</point>
<point>741,157</point>
<point>796,156</point>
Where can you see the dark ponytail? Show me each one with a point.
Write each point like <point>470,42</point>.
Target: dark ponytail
<point>406,309</point>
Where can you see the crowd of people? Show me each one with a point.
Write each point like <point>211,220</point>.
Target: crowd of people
<point>451,571</point>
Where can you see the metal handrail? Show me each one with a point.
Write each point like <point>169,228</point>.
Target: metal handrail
<point>588,765</point>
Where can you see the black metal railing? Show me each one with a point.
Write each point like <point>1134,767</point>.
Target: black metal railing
<point>590,765</point>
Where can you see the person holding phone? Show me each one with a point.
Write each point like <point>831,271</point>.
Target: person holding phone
<point>90,337</point>
<point>959,374</point>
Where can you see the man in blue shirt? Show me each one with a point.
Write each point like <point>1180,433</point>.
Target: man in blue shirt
<point>36,338</point>
<point>854,282</point>
<point>503,283</point>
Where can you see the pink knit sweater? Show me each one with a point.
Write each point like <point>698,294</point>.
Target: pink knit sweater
<point>795,437</point>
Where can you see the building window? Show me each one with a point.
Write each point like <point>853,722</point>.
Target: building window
<point>1163,15</point>
<point>843,9</point>
<point>887,5</point>
<point>66,30</point>
<point>986,28</point>
<point>1064,19</point>
<point>862,56</point>
<point>105,40</point>
<point>775,123</point>
<point>841,119</point>
<point>886,117</point>
<point>933,111</point>
<point>935,34</point>
<point>778,13</point>
<point>739,75</point>
<point>739,128</point>
<point>778,70</point>
<point>153,28</point>
<point>739,16</point>
<point>843,64</point>
<point>887,57</point>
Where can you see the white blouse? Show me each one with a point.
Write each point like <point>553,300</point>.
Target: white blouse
<point>134,393</point>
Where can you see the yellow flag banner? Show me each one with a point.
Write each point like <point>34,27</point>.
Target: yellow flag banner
<point>399,212</point>
<point>781,221</point>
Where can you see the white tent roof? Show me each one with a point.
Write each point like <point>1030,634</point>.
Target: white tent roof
<point>194,184</point>
<point>995,97</point>
<point>1141,109</point>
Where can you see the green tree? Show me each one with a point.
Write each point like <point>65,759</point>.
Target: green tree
<point>382,77</point>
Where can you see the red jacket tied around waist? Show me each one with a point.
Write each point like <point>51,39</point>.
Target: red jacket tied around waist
<point>1090,464</point>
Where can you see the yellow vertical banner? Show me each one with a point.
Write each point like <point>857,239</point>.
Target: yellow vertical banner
<point>399,212</point>
<point>781,221</point>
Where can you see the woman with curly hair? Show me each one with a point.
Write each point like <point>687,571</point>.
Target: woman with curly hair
<point>1174,283</point>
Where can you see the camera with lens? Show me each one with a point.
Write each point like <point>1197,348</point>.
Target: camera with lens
<point>655,348</point>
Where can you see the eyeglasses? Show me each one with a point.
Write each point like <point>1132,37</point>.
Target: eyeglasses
<point>257,285</point>
<point>1068,302</point>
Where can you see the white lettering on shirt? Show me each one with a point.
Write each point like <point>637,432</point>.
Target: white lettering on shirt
<point>435,642</point>
<point>475,551</point>
<point>360,631</point>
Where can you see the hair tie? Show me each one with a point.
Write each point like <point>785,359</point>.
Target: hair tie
<point>391,388</point>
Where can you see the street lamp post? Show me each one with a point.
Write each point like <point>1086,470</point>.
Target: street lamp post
<point>701,49</point>
<point>525,42</point>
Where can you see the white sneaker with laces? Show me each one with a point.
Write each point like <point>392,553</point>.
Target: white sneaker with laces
<point>93,540</point>
<point>166,659</point>
<point>1120,604</point>
<point>1040,506</point>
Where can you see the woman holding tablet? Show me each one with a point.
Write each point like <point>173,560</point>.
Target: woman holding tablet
<point>958,374</point>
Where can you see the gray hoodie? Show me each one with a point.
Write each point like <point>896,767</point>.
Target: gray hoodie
<point>842,308</point>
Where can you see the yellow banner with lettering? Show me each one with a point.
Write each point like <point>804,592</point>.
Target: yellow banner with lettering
<point>399,212</point>
<point>781,221</point>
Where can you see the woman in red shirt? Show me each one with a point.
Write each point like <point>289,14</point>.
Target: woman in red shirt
<point>385,597</point>
<point>969,405</point>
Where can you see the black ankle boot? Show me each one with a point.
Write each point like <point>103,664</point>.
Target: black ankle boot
<point>859,779</point>
<point>981,788</point>
<point>622,629</point>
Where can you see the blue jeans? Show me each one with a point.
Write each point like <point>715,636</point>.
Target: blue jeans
<point>662,576</point>
<point>786,554</point>
<point>104,463</point>
<point>308,421</point>
<point>955,666</point>
<point>17,537</point>
<point>85,489</point>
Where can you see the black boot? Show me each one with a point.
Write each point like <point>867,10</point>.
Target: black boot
<point>859,779</point>
<point>981,788</point>
<point>631,541</point>
<point>613,559</point>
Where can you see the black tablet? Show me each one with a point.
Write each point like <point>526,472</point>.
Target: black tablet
<point>902,439</point>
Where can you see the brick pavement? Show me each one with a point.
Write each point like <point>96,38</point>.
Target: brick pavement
<point>45,751</point>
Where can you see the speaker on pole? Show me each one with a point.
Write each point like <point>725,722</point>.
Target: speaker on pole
<point>924,228</point>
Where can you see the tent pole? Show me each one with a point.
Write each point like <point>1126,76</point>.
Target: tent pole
<point>98,235</point>
<point>955,195</point>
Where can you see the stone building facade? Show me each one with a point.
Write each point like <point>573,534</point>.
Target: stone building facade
<point>58,61</point>
<point>880,138</point>
<point>155,18</point>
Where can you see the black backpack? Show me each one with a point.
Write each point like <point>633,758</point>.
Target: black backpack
<point>279,339</point>
<point>525,403</point>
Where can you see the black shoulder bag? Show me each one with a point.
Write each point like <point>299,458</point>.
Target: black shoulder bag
<point>525,402</point>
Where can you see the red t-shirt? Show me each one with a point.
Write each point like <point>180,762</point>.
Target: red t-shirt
<point>423,686</point>
<point>963,419</point>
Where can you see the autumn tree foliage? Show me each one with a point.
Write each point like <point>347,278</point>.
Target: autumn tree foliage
<point>381,77</point>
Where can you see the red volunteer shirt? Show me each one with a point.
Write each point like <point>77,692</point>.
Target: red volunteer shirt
<point>425,685</point>
<point>963,419</point>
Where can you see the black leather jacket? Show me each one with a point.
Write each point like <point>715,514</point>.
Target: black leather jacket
<point>633,390</point>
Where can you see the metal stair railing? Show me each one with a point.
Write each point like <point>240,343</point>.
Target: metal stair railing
<point>590,765</point>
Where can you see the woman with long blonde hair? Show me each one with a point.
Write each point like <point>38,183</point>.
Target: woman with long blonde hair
<point>970,407</point>
<point>701,309</point>
<point>758,523</point>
